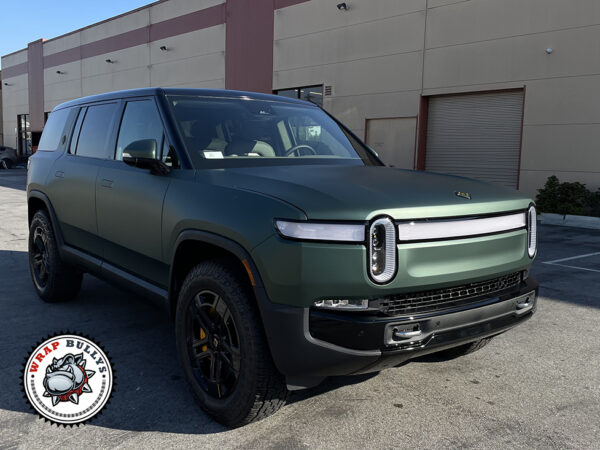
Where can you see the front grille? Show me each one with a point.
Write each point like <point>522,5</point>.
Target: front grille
<point>440,299</point>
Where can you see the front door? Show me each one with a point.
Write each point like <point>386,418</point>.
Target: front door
<point>129,200</point>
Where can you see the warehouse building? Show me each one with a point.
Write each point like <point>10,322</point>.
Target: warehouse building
<point>506,91</point>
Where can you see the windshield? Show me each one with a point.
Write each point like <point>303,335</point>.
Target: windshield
<point>226,132</point>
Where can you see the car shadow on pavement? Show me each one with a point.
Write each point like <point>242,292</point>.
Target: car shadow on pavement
<point>150,393</point>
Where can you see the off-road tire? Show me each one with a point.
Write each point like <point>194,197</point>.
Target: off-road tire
<point>6,164</point>
<point>456,352</point>
<point>63,281</point>
<point>260,389</point>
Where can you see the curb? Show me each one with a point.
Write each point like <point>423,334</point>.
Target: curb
<point>592,223</point>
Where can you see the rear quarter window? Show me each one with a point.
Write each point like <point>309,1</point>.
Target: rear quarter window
<point>55,132</point>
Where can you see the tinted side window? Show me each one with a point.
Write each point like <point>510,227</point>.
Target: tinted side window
<point>140,121</point>
<point>96,130</point>
<point>54,131</point>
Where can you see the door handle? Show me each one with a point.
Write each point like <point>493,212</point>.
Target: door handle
<point>106,183</point>
<point>59,174</point>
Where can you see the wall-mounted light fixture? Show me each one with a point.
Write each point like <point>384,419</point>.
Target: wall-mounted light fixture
<point>549,50</point>
<point>164,48</point>
<point>342,6</point>
<point>6,84</point>
<point>110,61</point>
<point>60,72</point>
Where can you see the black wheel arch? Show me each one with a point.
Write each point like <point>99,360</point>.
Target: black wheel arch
<point>37,200</point>
<point>195,246</point>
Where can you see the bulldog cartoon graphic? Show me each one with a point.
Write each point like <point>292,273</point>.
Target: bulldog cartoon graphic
<point>66,379</point>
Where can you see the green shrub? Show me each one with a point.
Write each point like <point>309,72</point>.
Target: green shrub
<point>567,198</point>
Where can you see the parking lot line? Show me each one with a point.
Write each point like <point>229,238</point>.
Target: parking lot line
<point>574,267</point>
<point>571,258</point>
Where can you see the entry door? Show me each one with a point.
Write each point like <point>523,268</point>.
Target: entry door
<point>476,135</point>
<point>129,200</point>
<point>394,140</point>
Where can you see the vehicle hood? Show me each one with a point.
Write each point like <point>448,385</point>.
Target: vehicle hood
<point>330,192</point>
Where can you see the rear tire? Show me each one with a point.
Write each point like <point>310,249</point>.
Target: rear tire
<point>222,347</point>
<point>456,352</point>
<point>6,164</point>
<point>54,280</point>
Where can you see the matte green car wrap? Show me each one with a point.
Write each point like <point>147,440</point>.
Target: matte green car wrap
<point>230,171</point>
<point>356,193</point>
<point>299,273</point>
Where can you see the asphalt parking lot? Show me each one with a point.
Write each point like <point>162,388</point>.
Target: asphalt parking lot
<point>537,386</point>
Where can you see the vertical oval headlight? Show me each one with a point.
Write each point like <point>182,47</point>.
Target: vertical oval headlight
<point>531,231</point>
<point>382,250</point>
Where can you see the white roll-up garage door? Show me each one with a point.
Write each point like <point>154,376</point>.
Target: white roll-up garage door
<point>476,135</point>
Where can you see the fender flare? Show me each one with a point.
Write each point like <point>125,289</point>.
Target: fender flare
<point>55,224</point>
<point>218,241</point>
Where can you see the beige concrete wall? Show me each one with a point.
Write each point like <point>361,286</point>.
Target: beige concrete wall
<point>198,56</point>
<point>15,97</point>
<point>496,44</point>
<point>371,55</point>
<point>200,66</point>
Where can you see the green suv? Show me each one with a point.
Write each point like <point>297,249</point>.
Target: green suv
<point>281,246</point>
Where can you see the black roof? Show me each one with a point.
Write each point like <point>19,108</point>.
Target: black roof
<point>144,92</point>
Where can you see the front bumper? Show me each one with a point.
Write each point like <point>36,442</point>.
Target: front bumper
<point>308,345</point>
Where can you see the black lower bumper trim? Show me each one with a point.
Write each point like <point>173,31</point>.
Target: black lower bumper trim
<point>299,354</point>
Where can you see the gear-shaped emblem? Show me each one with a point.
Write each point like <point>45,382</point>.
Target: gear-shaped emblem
<point>68,379</point>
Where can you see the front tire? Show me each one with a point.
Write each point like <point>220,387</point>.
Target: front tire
<point>222,347</point>
<point>53,279</point>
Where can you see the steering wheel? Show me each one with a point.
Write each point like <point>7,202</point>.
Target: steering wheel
<point>296,150</point>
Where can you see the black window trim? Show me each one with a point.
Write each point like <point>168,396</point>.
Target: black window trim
<point>121,114</point>
<point>77,130</point>
<point>299,88</point>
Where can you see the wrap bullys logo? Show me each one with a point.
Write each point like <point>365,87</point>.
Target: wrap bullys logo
<point>68,379</point>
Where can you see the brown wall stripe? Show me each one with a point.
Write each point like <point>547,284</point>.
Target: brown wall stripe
<point>35,61</point>
<point>197,20</point>
<point>14,71</point>
<point>285,3</point>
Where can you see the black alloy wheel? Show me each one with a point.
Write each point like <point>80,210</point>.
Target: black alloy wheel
<point>53,279</point>
<point>213,344</point>
<point>222,346</point>
<point>39,257</point>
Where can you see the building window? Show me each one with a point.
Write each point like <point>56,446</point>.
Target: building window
<point>23,135</point>
<point>312,94</point>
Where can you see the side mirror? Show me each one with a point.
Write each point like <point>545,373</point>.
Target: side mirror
<point>142,154</point>
<point>144,148</point>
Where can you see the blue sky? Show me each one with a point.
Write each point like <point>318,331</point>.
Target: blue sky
<point>24,22</point>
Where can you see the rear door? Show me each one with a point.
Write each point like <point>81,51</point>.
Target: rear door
<point>130,200</point>
<point>72,182</point>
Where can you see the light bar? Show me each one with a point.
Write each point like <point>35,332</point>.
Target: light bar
<point>531,231</point>
<point>448,229</point>
<point>382,250</point>
<point>314,231</point>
